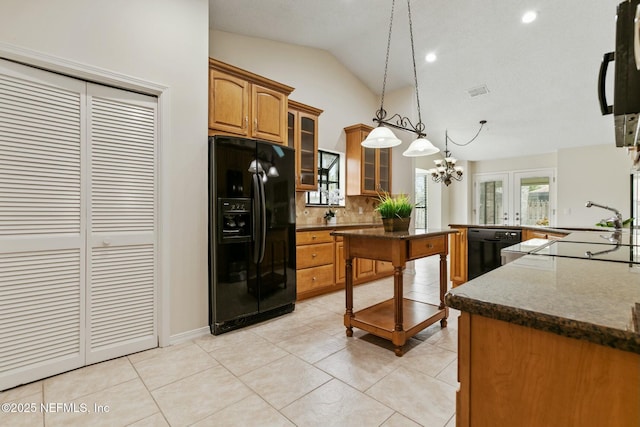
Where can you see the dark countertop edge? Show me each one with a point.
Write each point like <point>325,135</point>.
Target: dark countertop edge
<point>566,230</point>
<point>391,235</point>
<point>609,337</point>
<point>316,227</point>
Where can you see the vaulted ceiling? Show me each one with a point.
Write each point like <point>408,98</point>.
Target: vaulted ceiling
<point>541,77</point>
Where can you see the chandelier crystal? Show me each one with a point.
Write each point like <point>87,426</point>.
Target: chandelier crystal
<point>446,168</point>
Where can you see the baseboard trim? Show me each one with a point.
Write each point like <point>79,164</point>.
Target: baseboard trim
<point>189,335</point>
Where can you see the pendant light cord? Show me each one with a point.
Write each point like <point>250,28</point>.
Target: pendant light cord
<point>446,136</point>
<point>397,121</point>
<point>419,126</point>
<point>381,113</point>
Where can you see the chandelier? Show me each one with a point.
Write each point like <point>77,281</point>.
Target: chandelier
<point>446,168</point>
<point>382,136</point>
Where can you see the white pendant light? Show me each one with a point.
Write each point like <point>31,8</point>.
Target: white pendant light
<point>255,167</point>
<point>420,147</point>
<point>273,172</point>
<point>381,137</point>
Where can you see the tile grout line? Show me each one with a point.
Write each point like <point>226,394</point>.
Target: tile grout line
<point>148,391</point>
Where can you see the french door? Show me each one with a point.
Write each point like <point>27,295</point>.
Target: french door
<point>515,198</point>
<point>77,223</point>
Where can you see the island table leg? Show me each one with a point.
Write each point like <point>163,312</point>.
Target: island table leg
<point>348,286</point>
<point>399,338</point>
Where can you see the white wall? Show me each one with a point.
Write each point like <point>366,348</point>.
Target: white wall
<point>540,161</point>
<point>460,196</point>
<point>402,102</point>
<point>598,173</point>
<point>161,41</point>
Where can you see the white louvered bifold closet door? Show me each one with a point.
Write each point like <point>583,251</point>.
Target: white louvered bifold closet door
<point>42,224</point>
<point>121,307</point>
<point>78,240</point>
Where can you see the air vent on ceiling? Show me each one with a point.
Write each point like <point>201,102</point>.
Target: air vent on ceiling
<point>478,90</point>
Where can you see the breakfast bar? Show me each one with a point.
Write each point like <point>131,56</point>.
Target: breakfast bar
<point>552,338</point>
<point>398,318</point>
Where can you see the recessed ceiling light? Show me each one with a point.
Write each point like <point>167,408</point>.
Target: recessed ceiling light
<point>431,57</point>
<point>529,17</point>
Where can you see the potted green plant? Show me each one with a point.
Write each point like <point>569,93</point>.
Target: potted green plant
<point>395,211</point>
<point>330,217</point>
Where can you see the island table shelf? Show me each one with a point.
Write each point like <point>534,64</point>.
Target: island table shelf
<point>399,318</point>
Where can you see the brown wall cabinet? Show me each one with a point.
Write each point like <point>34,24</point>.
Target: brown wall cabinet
<point>302,131</point>
<point>368,169</point>
<point>246,104</point>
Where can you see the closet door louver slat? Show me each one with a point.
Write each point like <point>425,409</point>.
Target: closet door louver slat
<point>23,164</point>
<point>122,317</point>
<point>42,229</point>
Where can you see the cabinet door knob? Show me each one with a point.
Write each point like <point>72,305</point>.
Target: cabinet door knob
<point>313,278</point>
<point>314,255</point>
<point>246,122</point>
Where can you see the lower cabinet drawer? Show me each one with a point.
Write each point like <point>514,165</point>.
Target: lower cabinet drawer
<point>425,247</point>
<point>311,237</point>
<point>314,255</point>
<point>383,267</point>
<point>315,277</point>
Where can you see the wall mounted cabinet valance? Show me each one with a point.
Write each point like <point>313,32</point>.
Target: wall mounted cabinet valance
<point>78,223</point>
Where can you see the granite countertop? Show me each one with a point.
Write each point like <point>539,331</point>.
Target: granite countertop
<point>566,230</point>
<point>400,235</point>
<point>578,298</point>
<point>340,226</point>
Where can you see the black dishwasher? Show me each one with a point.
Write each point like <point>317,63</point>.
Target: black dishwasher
<point>484,246</point>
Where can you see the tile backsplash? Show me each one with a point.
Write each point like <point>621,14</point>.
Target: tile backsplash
<point>349,214</point>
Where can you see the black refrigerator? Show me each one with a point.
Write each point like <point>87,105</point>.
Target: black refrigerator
<point>252,215</point>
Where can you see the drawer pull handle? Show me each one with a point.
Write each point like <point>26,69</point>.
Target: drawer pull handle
<point>314,255</point>
<point>313,237</point>
<point>430,245</point>
<point>314,278</point>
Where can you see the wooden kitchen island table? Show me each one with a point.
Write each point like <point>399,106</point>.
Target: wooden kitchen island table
<point>398,318</point>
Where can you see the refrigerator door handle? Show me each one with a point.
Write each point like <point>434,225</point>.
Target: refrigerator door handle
<point>263,220</point>
<point>255,219</point>
<point>605,108</point>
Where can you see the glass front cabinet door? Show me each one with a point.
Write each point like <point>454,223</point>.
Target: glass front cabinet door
<point>368,169</point>
<point>302,127</point>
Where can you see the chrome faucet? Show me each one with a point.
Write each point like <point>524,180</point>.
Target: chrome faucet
<point>617,220</point>
<point>590,254</point>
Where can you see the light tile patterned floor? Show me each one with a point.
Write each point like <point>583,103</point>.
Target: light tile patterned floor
<point>296,370</point>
